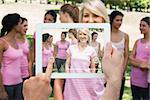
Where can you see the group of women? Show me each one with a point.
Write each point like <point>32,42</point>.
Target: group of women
<point>77,56</point>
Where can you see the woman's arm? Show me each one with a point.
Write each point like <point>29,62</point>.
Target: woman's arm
<point>67,63</point>
<point>58,89</point>
<point>134,61</point>
<point>126,51</point>
<point>3,94</point>
<point>99,51</point>
<point>55,50</point>
<point>93,67</point>
<point>112,66</point>
<point>29,56</point>
<point>93,58</point>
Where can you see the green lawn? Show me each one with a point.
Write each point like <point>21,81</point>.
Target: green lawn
<point>127,88</point>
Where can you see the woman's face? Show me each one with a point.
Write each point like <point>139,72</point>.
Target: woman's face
<point>24,27</point>
<point>95,36</point>
<point>48,18</point>
<point>89,17</point>
<point>144,28</point>
<point>83,37</point>
<point>63,18</point>
<point>117,21</point>
<point>50,39</point>
<point>63,37</point>
<point>18,27</point>
<point>70,35</point>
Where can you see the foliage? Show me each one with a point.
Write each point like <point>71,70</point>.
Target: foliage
<point>138,5</point>
<point>30,38</point>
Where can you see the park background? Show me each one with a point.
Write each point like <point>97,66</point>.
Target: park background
<point>34,10</point>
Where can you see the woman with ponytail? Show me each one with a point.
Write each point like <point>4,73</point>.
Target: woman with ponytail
<point>10,62</point>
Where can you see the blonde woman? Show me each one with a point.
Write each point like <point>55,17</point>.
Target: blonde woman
<point>79,58</point>
<point>94,11</point>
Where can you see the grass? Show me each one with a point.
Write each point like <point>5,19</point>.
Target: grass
<point>127,89</point>
<point>127,93</point>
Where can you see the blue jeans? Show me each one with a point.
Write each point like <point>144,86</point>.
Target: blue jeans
<point>139,93</point>
<point>60,63</point>
<point>14,91</point>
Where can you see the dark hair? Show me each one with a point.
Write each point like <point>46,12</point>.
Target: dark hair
<point>8,23</point>
<point>93,34</point>
<point>147,20</point>
<point>65,33</point>
<point>50,36</point>
<point>72,10</point>
<point>74,32</point>
<point>45,36</point>
<point>23,19</point>
<point>53,13</point>
<point>113,15</point>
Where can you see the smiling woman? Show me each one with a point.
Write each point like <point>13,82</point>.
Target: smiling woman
<point>94,11</point>
<point>10,58</point>
<point>79,57</point>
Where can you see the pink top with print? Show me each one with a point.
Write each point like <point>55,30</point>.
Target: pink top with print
<point>82,89</point>
<point>62,48</point>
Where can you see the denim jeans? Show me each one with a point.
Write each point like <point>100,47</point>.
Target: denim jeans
<point>139,93</point>
<point>60,63</point>
<point>14,91</point>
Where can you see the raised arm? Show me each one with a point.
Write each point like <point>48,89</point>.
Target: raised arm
<point>38,87</point>
<point>112,66</point>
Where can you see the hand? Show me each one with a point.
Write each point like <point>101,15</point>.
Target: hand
<point>3,95</point>
<point>144,65</point>
<point>112,63</point>
<point>38,87</point>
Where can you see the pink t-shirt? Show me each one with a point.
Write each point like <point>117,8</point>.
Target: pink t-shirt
<point>62,48</point>
<point>82,89</point>
<point>47,53</point>
<point>25,64</point>
<point>11,66</point>
<point>74,42</point>
<point>138,76</point>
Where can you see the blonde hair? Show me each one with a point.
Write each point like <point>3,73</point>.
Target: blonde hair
<point>95,6</point>
<point>84,30</point>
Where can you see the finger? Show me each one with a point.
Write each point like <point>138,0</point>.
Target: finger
<point>49,67</point>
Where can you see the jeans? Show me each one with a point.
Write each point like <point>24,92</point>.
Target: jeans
<point>60,63</point>
<point>14,91</point>
<point>139,93</point>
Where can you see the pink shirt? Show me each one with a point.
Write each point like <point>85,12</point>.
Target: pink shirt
<point>74,42</point>
<point>47,53</point>
<point>25,64</point>
<point>62,48</point>
<point>11,66</point>
<point>138,76</point>
<point>82,89</point>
